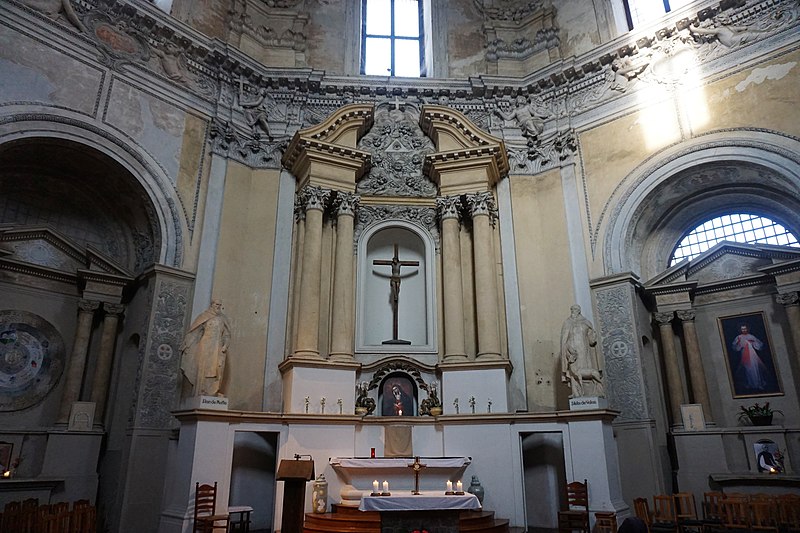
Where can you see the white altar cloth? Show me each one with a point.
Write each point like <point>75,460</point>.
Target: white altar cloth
<point>426,501</point>
<point>398,462</point>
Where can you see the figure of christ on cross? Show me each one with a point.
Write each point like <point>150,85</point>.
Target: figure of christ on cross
<point>394,285</point>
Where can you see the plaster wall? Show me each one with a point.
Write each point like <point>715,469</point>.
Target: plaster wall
<point>243,275</point>
<point>577,21</point>
<point>35,72</point>
<point>465,39</point>
<point>545,280</point>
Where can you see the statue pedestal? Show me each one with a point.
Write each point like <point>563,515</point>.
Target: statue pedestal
<point>587,403</point>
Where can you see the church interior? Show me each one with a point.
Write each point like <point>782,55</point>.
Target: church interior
<point>489,247</point>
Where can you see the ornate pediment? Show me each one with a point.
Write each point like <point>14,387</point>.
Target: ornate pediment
<point>42,251</point>
<point>724,266</point>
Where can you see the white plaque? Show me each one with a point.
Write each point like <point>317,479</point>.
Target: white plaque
<point>217,403</point>
<point>587,403</point>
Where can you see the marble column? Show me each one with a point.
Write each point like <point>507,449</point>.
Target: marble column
<point>307,340</point>
<point>791,303</point>
<point>102,372</point>
<point>697,375</point>
<point>453,292</point>
<point>484,213</point>
<point>342,325</point>
<point>73,377</point>
<point>674,386</point>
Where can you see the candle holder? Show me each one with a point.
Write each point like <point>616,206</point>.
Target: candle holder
<point>459,493</point>
<point>449,493</point>
<point>472,404</point>
<point>386,494</point>
<point>375,494</point>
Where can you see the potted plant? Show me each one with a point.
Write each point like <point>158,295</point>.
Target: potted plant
<point>758,415</point>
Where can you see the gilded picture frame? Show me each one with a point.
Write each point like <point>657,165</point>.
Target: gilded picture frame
<point>749,356</point>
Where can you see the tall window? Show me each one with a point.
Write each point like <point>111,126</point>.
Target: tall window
<point>391,38</point>
<point>640,12</point>
<point>739,227</point>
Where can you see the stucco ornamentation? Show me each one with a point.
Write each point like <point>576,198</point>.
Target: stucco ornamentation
<point>398,147</point>
<point>424,217</point>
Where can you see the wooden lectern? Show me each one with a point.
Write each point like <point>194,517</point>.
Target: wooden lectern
<point>295,473</point>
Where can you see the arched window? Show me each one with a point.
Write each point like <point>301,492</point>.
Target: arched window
<point>737,227</point>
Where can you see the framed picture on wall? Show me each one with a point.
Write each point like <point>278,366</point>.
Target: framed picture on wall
<point>748,355</point>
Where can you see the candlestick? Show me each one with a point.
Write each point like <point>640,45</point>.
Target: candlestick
<point>375,487</point>
<point>306,401</point>
<point>386,487</point>
<point>322,403</point>
<point>472,403</point>
<point>459,487</point>
<point>489,407</point>
<point>455,404</point>
<point>449,486</point>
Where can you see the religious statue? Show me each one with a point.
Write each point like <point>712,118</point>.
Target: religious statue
<point>254,110</point>
<point>394,288</point>
<point>432,404</point>
<point>726,33</point>
<point>204,351</point>
<point>364,404</point>
<point>579,354</point>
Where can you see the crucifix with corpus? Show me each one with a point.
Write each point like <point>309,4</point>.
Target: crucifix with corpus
<point>394,285</point>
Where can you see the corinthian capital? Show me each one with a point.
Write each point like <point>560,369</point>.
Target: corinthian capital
<point>663,318</point>
<point>449,207</point>
<point>88,306</point>
<point>314,197</point>
<point>347,203</point>
<point>113,309</point>
<point>686,315</point>
<point>482,203</point>
<point>788,298</point>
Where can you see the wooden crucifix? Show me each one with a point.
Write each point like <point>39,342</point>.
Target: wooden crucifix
<point>417,466</point>
<point>394,284</point>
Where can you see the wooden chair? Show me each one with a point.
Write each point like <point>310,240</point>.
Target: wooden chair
<point>736,515</point>
<point>664,514</point>
<point>789,512</point>
<point>686,513</point>
<point>205,507</point>
<point>83,518</point>
<point>712,511</point>
<point>605,522</point>
<point>763,514</point>
<point>576,517</point>
<point>642,510</point>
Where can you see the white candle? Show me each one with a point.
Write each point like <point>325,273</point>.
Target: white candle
<point>375,486</point>
<point>459,487</point>
<point>449,486</point>
<point>385,486</point>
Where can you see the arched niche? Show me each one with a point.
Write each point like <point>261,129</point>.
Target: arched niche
<point>688,184</point>
<point>130,170</point>
<point>416,302</point>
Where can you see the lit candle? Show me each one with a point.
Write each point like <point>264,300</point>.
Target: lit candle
<point>385,486</point>
<point>7,473</point>
<point>449,486</point>
<point>375,486</point>
<point>459,486</point>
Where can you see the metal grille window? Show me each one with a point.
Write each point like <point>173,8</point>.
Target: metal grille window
<point>740,227</point>
<point>392,38</point>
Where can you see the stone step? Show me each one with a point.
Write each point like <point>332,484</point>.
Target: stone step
<point>346,519</point>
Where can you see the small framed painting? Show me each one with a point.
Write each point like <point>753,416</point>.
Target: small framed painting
<point>693,418</point>
<point>748,355</point>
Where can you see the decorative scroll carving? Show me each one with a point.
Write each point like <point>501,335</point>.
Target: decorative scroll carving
<point>623,368</point>
<point>398,147</point>
<point>161,371</point>
<point>227,142</point>
<point>789,298</point>
<point>424,217</point>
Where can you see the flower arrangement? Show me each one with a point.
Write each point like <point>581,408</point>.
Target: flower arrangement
<point>758,415</point>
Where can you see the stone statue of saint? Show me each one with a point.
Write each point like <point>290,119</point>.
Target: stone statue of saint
<point>204,351</point>
<point>579,355</point>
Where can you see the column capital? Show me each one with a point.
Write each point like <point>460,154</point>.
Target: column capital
<point>88,306</point>
<point>449,207</point>
<point>482,203</point>
<point>788,298</point>
<point>663,318</point>
<point>686,315</point>
<point>113,309</point>
<point>347,203</point>
<point>313,197</point>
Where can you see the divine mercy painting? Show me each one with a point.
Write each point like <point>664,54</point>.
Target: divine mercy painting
<point>749,357</point>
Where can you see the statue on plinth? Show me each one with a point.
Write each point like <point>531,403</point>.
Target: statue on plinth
<point>204,351</point>
<point>364,404</point>
<point>579,361</point>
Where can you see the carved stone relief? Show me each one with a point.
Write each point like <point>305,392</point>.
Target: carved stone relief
<point>161,369</point>
<point>623,367</point>
<point>398,147</point>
